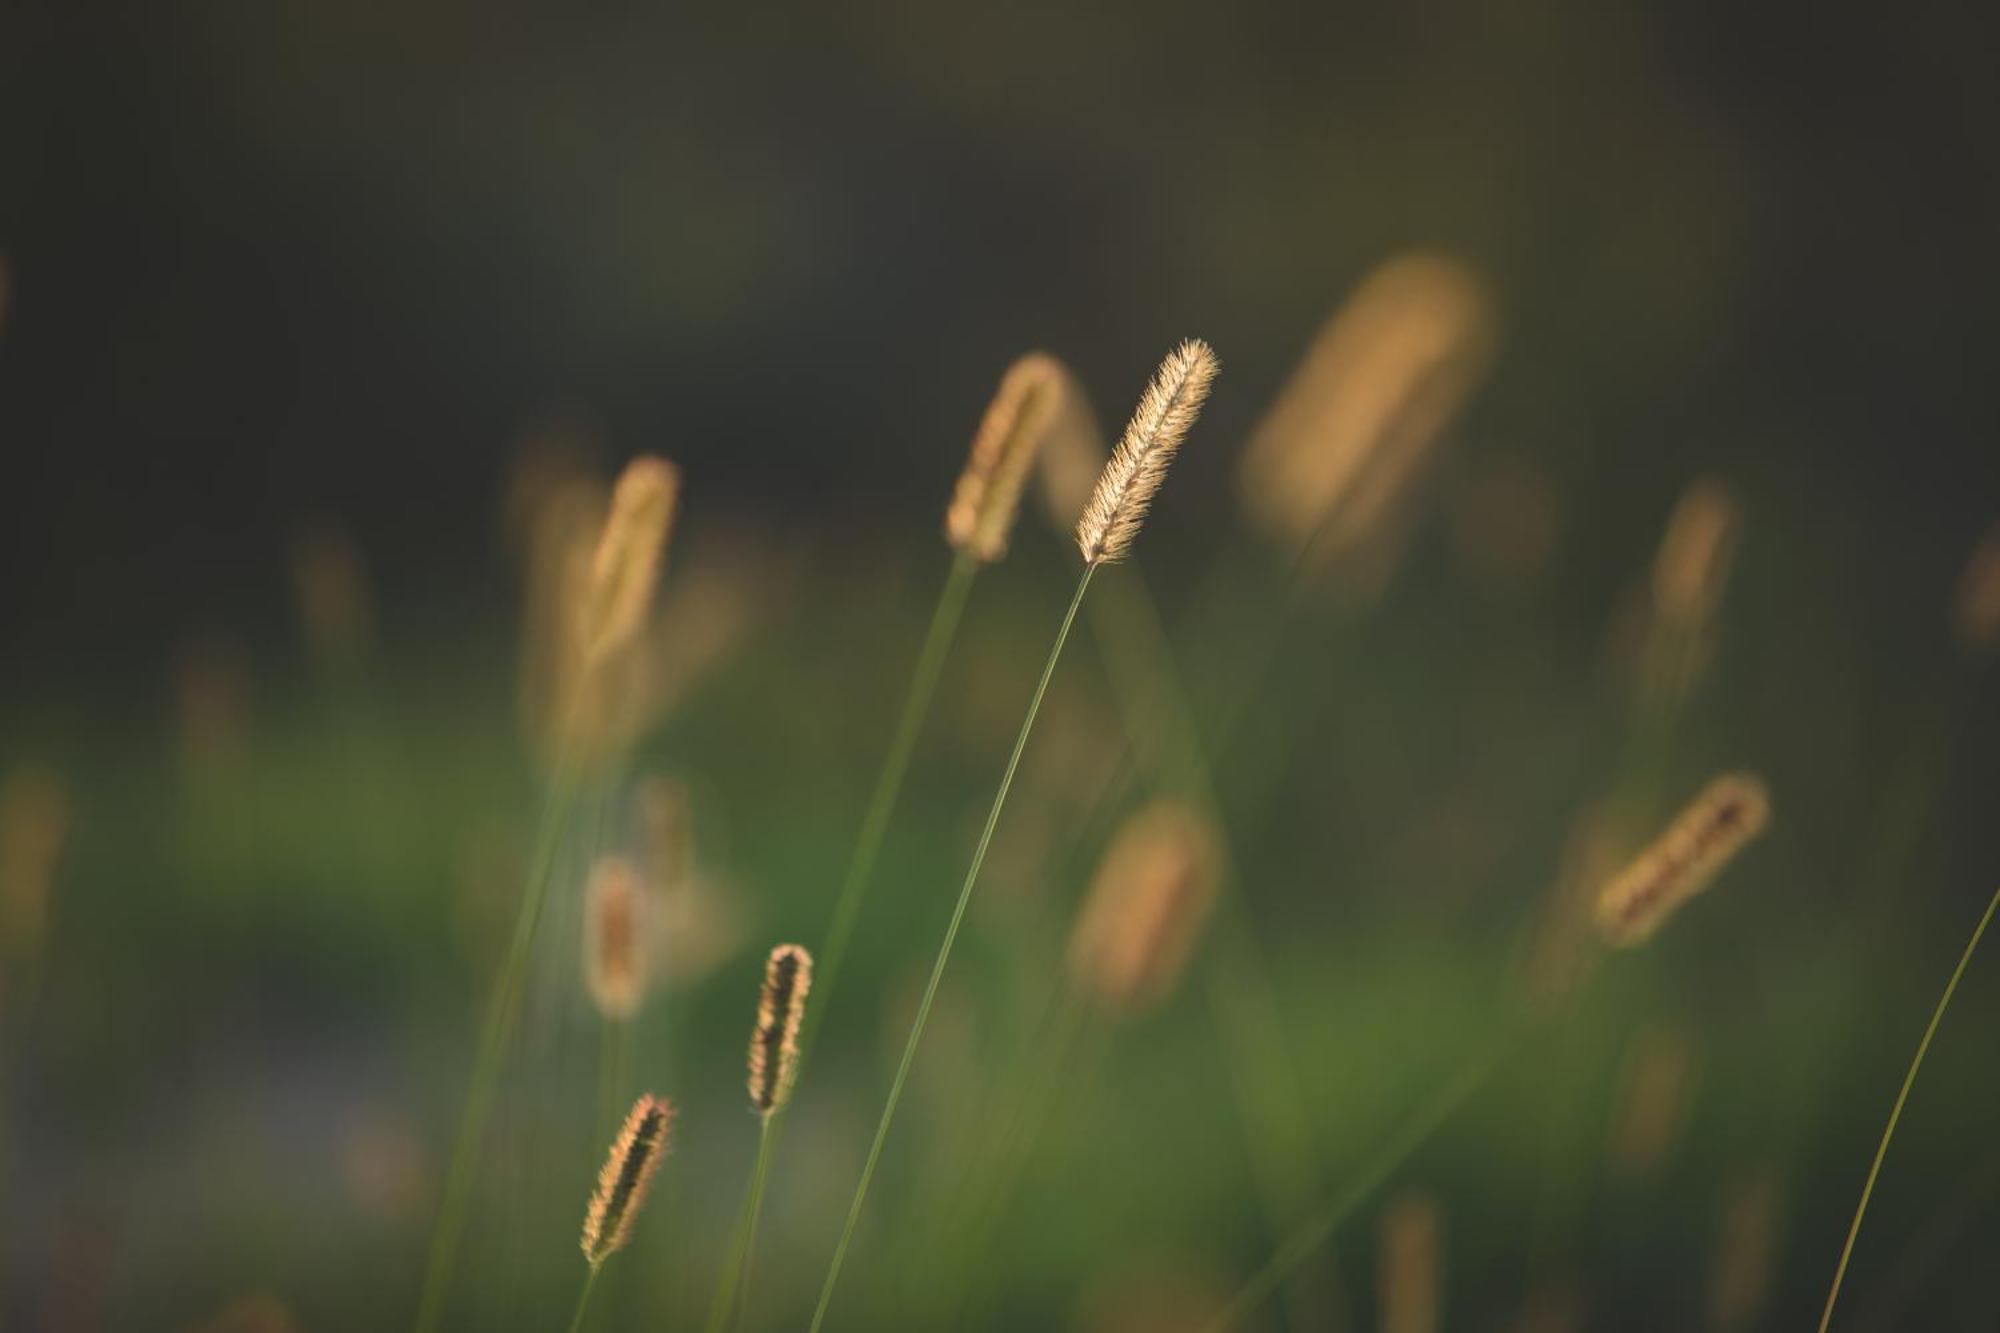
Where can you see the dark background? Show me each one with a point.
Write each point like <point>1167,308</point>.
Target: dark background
<point>274,265</point>
<point>275,260</point>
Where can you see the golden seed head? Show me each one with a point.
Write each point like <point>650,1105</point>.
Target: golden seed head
<point>1027,404</point>
<point>616,954</point>
<point>1728,813</point>
<point>1146,907</point>
<point>1334,461</point>
<point>1976,606</point>
<point>1126,487</point>
<point>774,1045</point>
<point>634,1159</point>
<point>1696,552</point>
<point>626,566</point>
<point>1657,1093</point>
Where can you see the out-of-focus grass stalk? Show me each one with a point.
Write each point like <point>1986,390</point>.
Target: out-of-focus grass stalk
<point>503,1009</point>
<point>944,952</point>
<point>1896,1111</point>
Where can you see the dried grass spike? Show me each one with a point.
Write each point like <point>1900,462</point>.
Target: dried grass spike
<point>1138,465</point>
<point>1728,813</point>
<point>774,1046</point>
<point>1146,907</point>
<point>616,959</point>
<point>988,495</point>
<point>626,566</point>
<point>634,1159</point>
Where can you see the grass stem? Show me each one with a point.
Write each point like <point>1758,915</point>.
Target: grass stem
<point>944,954</point>
<point>1896,1111</point>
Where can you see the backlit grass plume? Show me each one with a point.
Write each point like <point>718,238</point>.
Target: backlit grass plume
<point>1695,554</point>
<point>1332,460</point>
<point>1146,907</point>
<point>616,961</point>
<point>1125,489</point>
<point>1975,608</point>
<point>626,566</point>
<point>988,495</point>
<point>628,1173</point>
<point>1728,813</point>
<point>774,1046</point>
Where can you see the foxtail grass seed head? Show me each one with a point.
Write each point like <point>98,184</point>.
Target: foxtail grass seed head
<point>628,1172</point>
<point>626,566</point>
<point>1747,1251</point>
<point>1409,1275</point>
<point>988,496</point>
<point>1976,606</point>
<point>1695,555</point>
<point>616,957</point>
<point>1355,425</point>
<point>1728,813</point>
<point>774,1046</point>
<point>1125,489</point>
<point>1146,907</point>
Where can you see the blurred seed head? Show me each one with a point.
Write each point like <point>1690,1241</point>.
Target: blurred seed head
<point>697,924</point>
<point>34,825</point>
<point>617,955</point>
<point>259,1313</point>
<point>1656,1092</point>
<point>628,1173</point>
<point>1728,813</point>
<point>774,1045</point>
<point>988,495</point>
<point>1410,1268</point>
<point>335,609</point>
<point>1692,566</point>
<point>625,568</point>
<point>1746,1251</point>
<point>1146,907</point>
<point>1333,464</point>
<point>1117,507</point>
<point>382,1160</point>
<point>1165,1293</point>
<point>213,695</point>
<point>1975,609</point>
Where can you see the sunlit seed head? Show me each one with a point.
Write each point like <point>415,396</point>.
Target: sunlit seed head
<point>1682,862</point>
<point>628,1172</point>
<point>1410,1264</point>
<point>1125,489</point>
<point>1334,462</point>
<point>774,1045</point>
<point>988,495</point>
<point>626,565</point>
<point>1146,907</point>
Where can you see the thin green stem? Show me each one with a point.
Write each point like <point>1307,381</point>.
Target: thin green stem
<point>1896,1111</point>
<point>729,1284</point>
<point>583,1298</point>
<point>944,954</point>
<point>758,1178</point>
<point>502,1010</point>
<point>888,789</point>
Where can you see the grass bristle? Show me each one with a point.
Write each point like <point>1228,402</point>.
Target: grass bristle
<point>628,1172</point>
<point>774,1046</point>
<point>1125,489</point>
